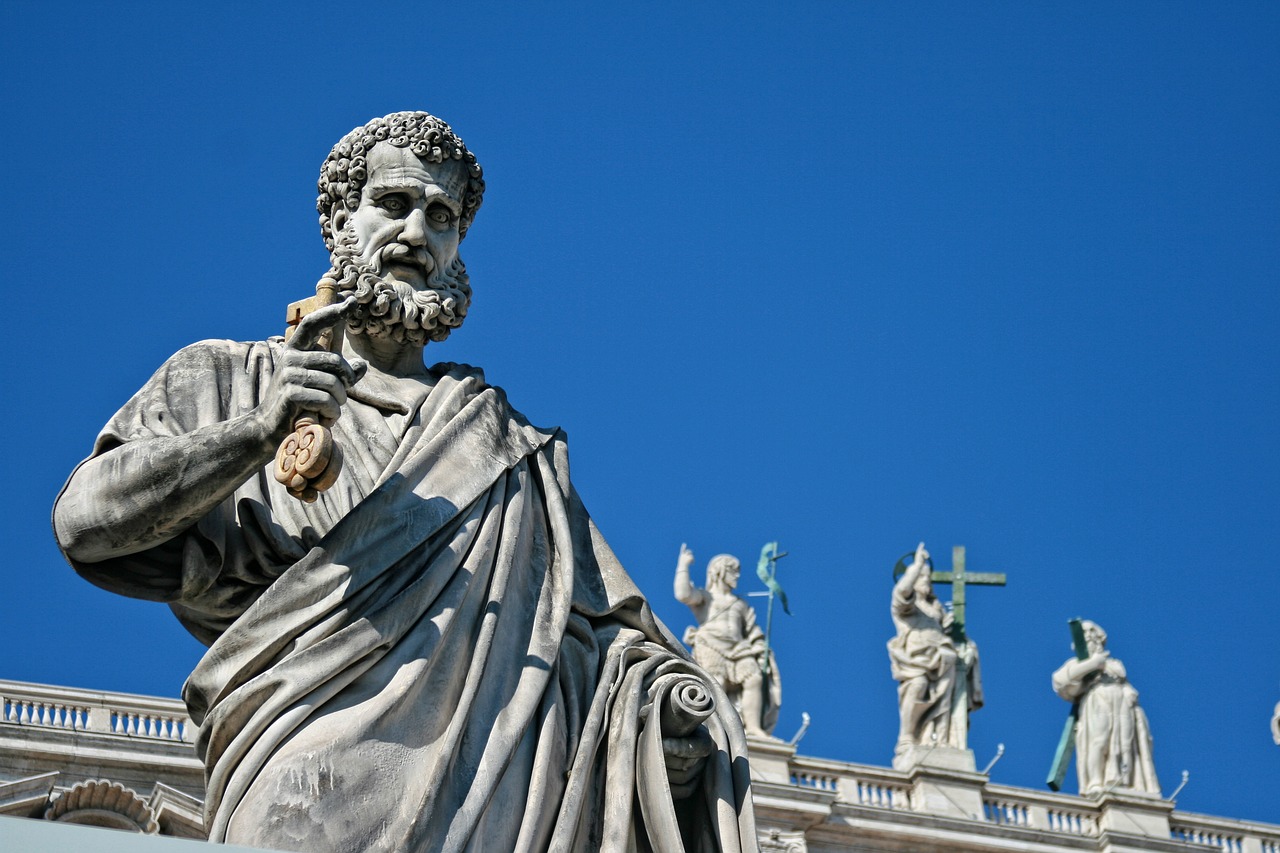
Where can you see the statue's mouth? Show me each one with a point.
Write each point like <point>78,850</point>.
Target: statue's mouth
<point>406,264</point>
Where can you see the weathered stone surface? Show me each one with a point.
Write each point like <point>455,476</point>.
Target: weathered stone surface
<point>439,650</point>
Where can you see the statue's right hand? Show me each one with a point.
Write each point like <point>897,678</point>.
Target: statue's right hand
<point>309,381</point>
<point>921,554</point>
<point>686,557</point>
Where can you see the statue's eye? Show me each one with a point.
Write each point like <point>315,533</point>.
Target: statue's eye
<point>440,215</point>
<point>394,204</point>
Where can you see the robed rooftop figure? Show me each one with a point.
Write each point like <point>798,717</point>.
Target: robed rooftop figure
<point>440,652</point>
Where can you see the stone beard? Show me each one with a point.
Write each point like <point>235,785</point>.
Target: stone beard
<point>393,309</point>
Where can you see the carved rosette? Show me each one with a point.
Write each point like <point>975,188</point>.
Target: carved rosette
<point>99,802</point>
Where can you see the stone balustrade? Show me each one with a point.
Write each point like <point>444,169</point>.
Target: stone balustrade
<point>945,805</point>
<point>71,709</point>
<point>1058,813</point>
<point>859,784</point>
<point>1230,836</point>
<point>1046,813</point>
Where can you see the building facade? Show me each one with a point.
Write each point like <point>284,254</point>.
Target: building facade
<point>127,762</point>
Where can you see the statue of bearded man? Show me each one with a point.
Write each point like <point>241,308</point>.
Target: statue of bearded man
<point>440,652</point>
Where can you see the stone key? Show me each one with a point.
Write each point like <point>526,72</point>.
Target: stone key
<point>309,459</point>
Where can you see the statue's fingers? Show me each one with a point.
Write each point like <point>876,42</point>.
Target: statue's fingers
<point>334,386</point>
<point>359,367</point>
<point>314,324</point>
<point>348,372</point>
<point>317,402</point>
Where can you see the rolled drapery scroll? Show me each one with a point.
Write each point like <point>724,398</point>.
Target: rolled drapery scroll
<point>686,703</point>
<point>677,702</point>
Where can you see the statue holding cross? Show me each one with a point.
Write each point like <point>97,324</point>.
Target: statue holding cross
<point>1107,728</point>
<point>931,657</point>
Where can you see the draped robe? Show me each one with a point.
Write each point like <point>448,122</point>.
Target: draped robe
<point>922,651</point>
<point>1113,737</point>
<point>441,653</point>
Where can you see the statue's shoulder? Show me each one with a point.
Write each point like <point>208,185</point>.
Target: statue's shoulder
<point>471,380</point>
<point>220,356</point>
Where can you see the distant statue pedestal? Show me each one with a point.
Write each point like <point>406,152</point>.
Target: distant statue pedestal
<point>944,781</point>
<point>1126,811</point>
<point>939,757</point>
<point>770,759</point>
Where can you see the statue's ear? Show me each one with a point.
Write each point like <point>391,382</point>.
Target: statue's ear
<point>338,218</point>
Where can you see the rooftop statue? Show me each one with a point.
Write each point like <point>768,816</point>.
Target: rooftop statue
<point>1112,737</point>
<point>728,643</point>
<point>936,668</point>
<point>435,649</point>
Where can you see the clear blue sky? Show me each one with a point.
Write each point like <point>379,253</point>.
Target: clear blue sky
<point>850,276</point>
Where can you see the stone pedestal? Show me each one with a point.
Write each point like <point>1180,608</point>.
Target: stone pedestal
<point>944,781</point>
<point>1133,813</point>
<point>942,757</point>
<point>770,760</point>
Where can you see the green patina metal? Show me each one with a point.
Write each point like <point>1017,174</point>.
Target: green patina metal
<point>1067,743</point>
<point>767,571</point>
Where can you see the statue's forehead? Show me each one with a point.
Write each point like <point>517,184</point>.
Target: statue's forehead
<point>389,165</point>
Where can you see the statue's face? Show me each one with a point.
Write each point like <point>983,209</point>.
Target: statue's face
<point>731,573</point>
<point>406,226</point>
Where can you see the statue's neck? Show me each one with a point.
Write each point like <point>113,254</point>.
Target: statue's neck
<point>390,358</point>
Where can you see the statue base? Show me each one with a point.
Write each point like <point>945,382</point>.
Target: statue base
<point>943,781</point>
<point>939,757</point>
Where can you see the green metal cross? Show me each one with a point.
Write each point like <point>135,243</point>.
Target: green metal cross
<point>1067,743</point>
<point>959,579</point>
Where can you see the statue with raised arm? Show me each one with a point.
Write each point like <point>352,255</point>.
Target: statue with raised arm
<point>1112,737</point>
<point>923,658</point>
<point>417,638</point>
<point>728,643</point>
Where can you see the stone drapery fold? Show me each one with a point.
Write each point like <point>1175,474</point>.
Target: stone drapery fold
<point>442,653</point>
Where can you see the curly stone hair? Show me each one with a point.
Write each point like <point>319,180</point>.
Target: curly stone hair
<point>343,175</point>
<point>719,566</point>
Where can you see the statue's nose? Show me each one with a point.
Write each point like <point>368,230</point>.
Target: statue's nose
<point>415,228</point>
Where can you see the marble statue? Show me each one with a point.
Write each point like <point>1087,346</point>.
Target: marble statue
<point>728,643</point>
<point>438,651</point>
<point>1275,724</point>
<point>1113,740</point>
<point>929,666</point>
